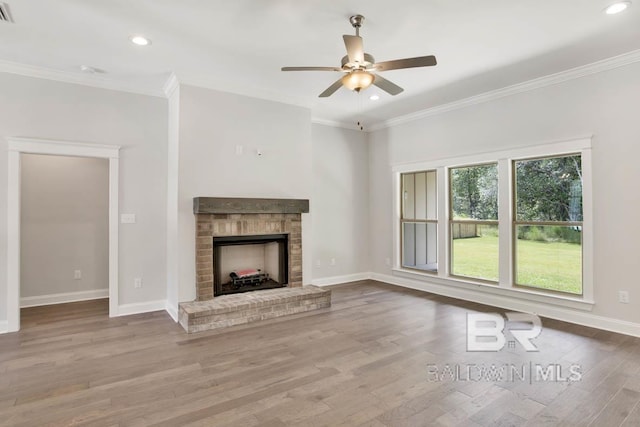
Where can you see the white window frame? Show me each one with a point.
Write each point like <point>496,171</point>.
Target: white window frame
<point>505,285</point>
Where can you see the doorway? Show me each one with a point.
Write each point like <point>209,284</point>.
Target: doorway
<point>64,233</point>
<point>19,148</point>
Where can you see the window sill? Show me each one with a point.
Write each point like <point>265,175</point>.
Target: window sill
<point>577,303</point>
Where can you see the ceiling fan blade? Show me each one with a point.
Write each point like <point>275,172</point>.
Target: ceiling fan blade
<point>311,69</point>
<point>331,89</point>
<point>355,49</point>
<point>420,61</point>
<point>386,85</point>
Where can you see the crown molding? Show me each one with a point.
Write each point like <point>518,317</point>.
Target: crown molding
<point>333,123</point>
<point>92,80</point>
<point>541,82</point>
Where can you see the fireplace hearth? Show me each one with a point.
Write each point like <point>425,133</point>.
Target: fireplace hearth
<point>248,263</point>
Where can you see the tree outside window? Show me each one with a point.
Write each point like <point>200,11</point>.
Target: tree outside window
<point>548,223</point>
<point>474,221</point>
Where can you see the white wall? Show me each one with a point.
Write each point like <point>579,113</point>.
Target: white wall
<point>64,224</point>
<point>37,108</point>
<point>212,125</point>
<point>603,104</point>
<point>340,202</point>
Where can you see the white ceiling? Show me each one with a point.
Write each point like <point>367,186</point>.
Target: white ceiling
<point>239,46</point>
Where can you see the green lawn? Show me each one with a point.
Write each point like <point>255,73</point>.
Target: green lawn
<point>548,265</point>
<point>476,257</point>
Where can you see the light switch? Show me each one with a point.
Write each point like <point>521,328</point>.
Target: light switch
<point>128,218</point>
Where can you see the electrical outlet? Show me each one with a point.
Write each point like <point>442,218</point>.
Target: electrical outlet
<point>333,261</point>
<point>77,274</point>
<point>623,297</point>
<point>137,282</point>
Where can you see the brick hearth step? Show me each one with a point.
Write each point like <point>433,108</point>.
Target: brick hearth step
<point>237,309</point>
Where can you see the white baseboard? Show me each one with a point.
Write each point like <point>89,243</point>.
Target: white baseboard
<point>141,307</point>
<point>4,326</point>
<point>62,298</point>
<point>173,311</point>
<point>545,310</point>
<point>337,280</point>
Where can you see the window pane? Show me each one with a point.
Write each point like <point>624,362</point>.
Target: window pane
<point>549,257</point>
<point>408,196</point>
<point>474,192</point>
<point>474,251</point>
<point>419,195</point>
<point>549,189</point>
<point>420,248</point>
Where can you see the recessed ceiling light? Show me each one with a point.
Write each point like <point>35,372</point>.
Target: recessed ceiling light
<point>374,97</point>
<point>617,7</point>
<point>88,69</point>
<point>140,40</point>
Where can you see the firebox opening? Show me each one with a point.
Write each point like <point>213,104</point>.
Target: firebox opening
<point>250,263</point>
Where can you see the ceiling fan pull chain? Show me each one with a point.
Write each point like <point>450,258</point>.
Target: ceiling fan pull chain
<point>360,124</point>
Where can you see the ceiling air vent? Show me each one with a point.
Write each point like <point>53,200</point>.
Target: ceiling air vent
<point>5,13</point>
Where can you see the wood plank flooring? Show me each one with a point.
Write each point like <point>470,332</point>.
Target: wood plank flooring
<point>368,360</point>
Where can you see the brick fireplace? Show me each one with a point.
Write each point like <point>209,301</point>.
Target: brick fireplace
<point>225,219</point>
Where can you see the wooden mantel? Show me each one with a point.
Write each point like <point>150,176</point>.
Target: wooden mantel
<point>233,205</point>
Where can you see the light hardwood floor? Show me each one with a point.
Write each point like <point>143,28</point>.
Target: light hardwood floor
<point>365,361</point>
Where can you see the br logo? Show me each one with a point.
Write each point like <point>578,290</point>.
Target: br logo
<point>486,331</point>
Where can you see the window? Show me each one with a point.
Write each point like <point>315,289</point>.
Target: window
<point>419,221</point>
<point>473,192</point>
<point>548,223</point>
<point>516,223</point>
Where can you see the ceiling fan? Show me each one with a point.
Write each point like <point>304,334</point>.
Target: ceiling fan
<point>360,67</point>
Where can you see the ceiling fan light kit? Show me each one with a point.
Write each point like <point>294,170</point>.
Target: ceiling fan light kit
<point>358,80</point>
<point>360,67</point>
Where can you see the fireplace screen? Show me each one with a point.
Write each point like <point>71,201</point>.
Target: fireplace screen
<point>250,263</point>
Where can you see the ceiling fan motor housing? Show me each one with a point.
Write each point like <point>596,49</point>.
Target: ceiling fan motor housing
<point>356,20</point>
<point>366,64</point>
